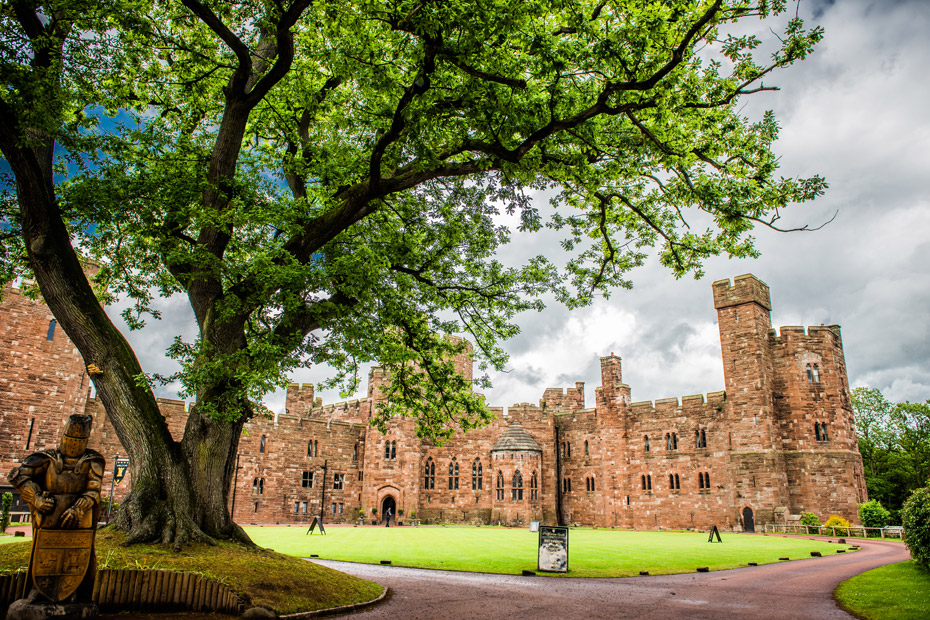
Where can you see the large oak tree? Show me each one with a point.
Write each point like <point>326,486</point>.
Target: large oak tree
<point>324,182</point>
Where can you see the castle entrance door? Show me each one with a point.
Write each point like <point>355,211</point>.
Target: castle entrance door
<point>388,503</point>
<point>748,523</point>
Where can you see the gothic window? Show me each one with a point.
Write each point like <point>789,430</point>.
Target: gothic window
<point>339,481</point>
<point>390,450</point>
<point>255,507</point>
<point>312,447</point>
<point>477,474</point>
<point>51,330</point>
<point>589,483</point>
<point>534,487</point>
<point>568,450</point>
<point>671,482</point>
<point>810,374</point>
<point>671,441</point>
<point>307,480</point>
<point>586,452</point>
<point>644,481</point>
<point>429,478</point>
<point>355,452</point>
<point>704,481</point>
<point>677,482</point>
<point>566,485</point>
<point>817,431</point>
<point>816,372</point>
<point>258,486</point>
<point>393,450</point>
<point>261,445</point>
<point>500,485</point>
<point>820,430</point>
<point>453,475</point>
<point>516,491</point>
<point>646,442</point>
<point>700,439</point>
<point>648,485</point>
<point>700,480</point>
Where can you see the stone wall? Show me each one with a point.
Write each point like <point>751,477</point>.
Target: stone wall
<point>778,440</point>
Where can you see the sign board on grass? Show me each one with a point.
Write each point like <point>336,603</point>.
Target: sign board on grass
<point>553,549</point>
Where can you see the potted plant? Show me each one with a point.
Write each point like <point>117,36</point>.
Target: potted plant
<point>374,514</point>
<point>400,514</point>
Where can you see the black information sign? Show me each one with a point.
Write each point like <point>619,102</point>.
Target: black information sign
<point>317,522</point>
<point>714,532</point>
<point>553,549</point>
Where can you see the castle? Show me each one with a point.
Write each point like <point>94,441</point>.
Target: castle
<point>778,440</point>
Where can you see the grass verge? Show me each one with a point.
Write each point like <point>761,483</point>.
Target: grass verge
<point>283,583</point>
<point>893,592</point>
<point>592,553</point>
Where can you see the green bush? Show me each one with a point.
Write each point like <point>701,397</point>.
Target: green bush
<point>5,504</point>
<point>812,521</point>
<point>915,516</point>
<point>873,514</point>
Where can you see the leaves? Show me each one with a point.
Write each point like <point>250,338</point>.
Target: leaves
<point>327,182</point>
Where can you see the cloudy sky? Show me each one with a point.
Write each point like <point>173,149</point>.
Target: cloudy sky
<point>855,112</point>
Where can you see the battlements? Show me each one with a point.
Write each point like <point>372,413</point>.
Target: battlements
<point>712,398</point>
<point>786,332</point>
<point>745,289</point>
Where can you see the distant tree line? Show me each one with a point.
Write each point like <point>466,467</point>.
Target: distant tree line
<point>894,440</point>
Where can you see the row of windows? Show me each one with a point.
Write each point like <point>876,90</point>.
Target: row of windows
<point>516,486</point>
<point>301,507</point>
<point>671,440</point>
<point>674,481</point>
<point>313,448</point>
<point>477,475</point>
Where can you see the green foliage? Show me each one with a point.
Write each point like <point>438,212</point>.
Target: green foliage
<point>5,503</point>
<point>915,517</point>
<point>894,440</point>
<point>873,514</point>
<point>812,521</point>
<point>339,195</point>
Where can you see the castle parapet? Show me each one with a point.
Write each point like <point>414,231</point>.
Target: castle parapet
<point>745,289</point>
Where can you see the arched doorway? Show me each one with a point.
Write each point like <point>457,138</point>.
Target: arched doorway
<point>748,523</point>
<point>388,503</point>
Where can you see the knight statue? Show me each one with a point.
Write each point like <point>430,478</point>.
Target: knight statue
<point>62,487</point>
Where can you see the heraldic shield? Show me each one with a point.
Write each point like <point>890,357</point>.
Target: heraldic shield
<point>60,559</point>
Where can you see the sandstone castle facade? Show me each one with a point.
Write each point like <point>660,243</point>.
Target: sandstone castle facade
<point>778,440</point>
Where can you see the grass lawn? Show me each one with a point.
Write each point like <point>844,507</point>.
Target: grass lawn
<point>284,583</point>
<point>592,553</point>
<point>896,591</point>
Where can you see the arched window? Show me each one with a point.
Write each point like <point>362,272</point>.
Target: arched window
<point>586,452</point>
<point>477,475</point>
<point>701,480</point>
<point>261,445</point>
<point>500,485</point>
<point>671,482</point>
<point>649,481</point>
<point>355,452</point>
<point>700,438</point>
<point>589,483</point>
<point>393,450</point>
<point>817,431</point>
<point>646,442</point>
<point>534,487</point>
<point>810,374</point>
<point>823,431</point>
<point>816,373</point>
<point>387,450</point>
<point>51,330</point>
<point>674,441</point>
<point>258,486</point>
<point>566,485</point>
<point>644,482</point>
<point>568,450</point>
<point>313,447</point>
<point>677,482</point>
<point>516,491</point>
<point>453,474</point>
<point>703,438</point>
<point>668,441</point>
<point>429,477</point>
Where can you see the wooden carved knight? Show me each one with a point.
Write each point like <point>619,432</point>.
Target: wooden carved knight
<point>62,487</point>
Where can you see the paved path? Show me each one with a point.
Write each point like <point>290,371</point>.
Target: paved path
<point>801,589</point>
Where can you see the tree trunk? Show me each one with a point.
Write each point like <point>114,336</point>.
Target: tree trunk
<point>179,489</point>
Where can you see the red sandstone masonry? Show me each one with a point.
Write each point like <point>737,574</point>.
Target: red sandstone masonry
<point>761,454</point>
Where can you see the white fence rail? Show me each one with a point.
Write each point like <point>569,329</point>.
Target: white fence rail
<point>852,531</point>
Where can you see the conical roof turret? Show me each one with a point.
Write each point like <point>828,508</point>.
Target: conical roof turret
<point>516,439</point>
